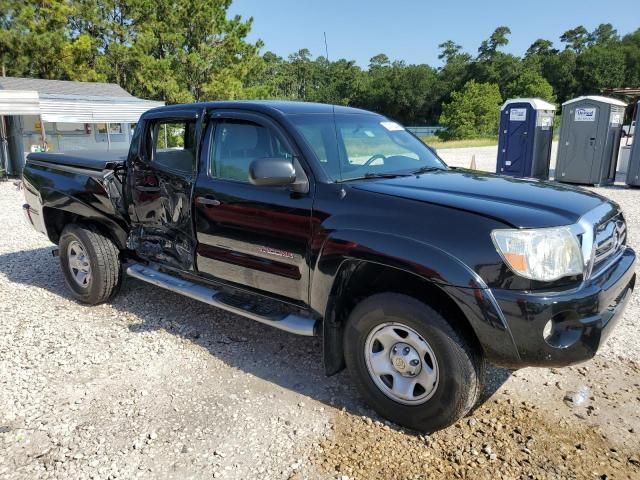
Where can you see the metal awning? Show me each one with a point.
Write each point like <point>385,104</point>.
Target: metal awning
<point>19,102</point>
<point>74,108</point>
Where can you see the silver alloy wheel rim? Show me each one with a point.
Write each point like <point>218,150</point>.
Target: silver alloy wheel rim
<point>401,363</point>
<point>79,264</point>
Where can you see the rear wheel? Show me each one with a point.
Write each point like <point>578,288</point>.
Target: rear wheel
<point>410,364</point>
<point>90,263</point>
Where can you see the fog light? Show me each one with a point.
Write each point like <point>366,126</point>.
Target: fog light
<point>563,330</point>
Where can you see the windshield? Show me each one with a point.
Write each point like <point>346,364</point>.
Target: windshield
<point>351,146</point>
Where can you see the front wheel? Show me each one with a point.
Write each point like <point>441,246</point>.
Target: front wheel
<point>90,263</point>
<point>410,364</point>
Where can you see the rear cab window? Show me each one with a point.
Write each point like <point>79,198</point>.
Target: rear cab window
<point>174,145</point>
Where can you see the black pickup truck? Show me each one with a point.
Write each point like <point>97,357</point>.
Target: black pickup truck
<point>333,221</point>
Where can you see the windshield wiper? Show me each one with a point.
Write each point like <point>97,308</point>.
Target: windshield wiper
<point>369,175</point>
<point>425,170</point>
<point>384,175</point>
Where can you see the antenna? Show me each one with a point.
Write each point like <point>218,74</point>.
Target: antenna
<point>326,49</point>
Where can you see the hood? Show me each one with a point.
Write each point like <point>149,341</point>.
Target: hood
<point>523,203</point>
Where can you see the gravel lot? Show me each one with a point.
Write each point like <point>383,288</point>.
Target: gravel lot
<point>485,157</point>
<point>154,385</point>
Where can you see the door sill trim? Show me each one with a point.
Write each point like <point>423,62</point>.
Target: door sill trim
<point>292,322</point>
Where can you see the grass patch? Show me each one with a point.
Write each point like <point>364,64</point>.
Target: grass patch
<point>436,142</point>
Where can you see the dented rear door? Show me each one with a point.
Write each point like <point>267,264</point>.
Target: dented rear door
<point>161,178</point>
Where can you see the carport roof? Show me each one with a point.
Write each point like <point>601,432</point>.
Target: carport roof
<point>70,102</point>
<point>64,87</point>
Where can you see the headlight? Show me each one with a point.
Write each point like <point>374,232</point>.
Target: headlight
<point>543,254</point>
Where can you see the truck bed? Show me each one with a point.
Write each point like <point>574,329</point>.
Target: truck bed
<point>81,183</point>
<point>92,160</point>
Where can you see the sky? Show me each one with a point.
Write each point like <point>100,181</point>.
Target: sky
<point>411,30</point>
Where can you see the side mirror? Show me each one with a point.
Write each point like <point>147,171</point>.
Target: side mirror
<point>272,172</point>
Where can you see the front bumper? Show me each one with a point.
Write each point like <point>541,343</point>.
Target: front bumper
<point>582,317</point>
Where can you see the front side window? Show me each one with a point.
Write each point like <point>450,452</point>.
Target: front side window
<point>174,145</point>
<point>237,143</point>
<point>350,146</point>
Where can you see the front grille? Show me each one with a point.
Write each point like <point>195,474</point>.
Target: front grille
<point>610,237</point>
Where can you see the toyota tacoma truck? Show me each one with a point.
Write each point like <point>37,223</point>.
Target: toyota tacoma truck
<point>337,222</point>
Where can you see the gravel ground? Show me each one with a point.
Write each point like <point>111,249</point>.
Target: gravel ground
<point>154,385</point>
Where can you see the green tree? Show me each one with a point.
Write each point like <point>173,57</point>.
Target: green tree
<point>215,58</point>
<point>34,38</point>
<point>451,76</point>
<point>186,51</point>
<point>576,39</point>
<point>541,47</point>
<point>171,50</point>
<point>494,66</point>
<point>560,72</point>
<point>81,62</point>
<point>501,70</point>
<point>631,47</point>
<point>601,66</point>
<point>603,34</point>
<point>379,61</point>
<point>412,100</point>
<point>530,84</point>
<point>498,39</point>
<point>271,74</point>
<point>301,71</point>
<point>538,56</point>
<point>340,81</point>
<point>473,112</point>
<point>449,50</point>
<point>401,91</point>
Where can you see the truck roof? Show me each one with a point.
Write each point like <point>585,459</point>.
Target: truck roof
<point>281,106</point>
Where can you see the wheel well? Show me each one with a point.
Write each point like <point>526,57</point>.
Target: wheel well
<point>55,220</point>
<point>359,280</point>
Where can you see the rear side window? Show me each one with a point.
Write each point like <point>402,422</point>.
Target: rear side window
<point>237,143</point>
<point>174,145</point>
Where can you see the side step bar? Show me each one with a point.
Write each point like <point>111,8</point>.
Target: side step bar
<point>291,322</point>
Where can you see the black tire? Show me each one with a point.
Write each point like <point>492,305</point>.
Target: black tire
<point>460,366</point>
<point>103,258</point>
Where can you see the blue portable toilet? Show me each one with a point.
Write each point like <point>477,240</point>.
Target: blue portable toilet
<point>526,134</point>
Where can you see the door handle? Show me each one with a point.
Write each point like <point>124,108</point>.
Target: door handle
<point>142,188</point>
<point>207,201</point>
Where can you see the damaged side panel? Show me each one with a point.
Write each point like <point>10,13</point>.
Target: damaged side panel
<point>164,230</point>
<point>51,189</point>
<point>160,175</point>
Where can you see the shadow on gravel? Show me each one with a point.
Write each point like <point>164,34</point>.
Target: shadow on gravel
<point>289,361</point>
